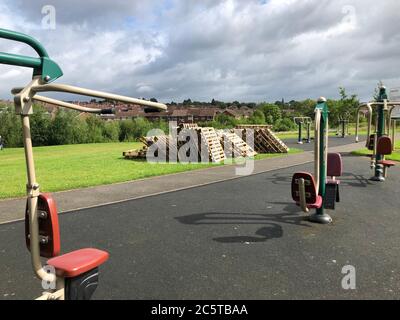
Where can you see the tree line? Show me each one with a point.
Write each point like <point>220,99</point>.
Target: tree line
<point>67,127</point>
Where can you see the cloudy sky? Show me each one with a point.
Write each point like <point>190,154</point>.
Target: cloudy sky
<point>229,50</point>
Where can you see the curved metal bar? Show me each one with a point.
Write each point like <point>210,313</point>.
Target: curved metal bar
<point>65,104</point>
<point>97,94</point>
<point>21,37</point>
<point>369,107</point>
<point>32,206</point>
<point>305,120</point>
<point>302,196</point>
<point>58,102</point>
<point>43,66</point>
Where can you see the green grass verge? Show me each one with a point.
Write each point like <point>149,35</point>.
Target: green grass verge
<point>395,156</point>
<point>77,166</point>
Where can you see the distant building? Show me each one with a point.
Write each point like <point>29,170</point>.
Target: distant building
<point>178,113</point>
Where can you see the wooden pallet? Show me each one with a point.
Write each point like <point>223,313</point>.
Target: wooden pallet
<point>265,141</point>
<point>234,146</point>
<point>135,153</point>
<point>210,140</point>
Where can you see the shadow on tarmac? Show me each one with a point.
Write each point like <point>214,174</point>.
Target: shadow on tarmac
<point>272,229</point>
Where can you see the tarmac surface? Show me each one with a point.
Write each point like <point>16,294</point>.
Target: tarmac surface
<point>71,200</point>
<point>238,239</point>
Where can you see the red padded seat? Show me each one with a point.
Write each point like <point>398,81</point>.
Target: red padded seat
<point>335,165</point>
<point>387,163</point>
<point>384,145</point>
<point>313,201</point>
<point>316,205</point>
<point>74,263</point>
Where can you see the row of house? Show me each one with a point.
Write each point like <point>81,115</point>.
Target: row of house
<point>188,114</point>
<point>178,113</point>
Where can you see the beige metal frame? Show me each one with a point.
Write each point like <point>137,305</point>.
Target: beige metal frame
<point>392,124</point>
<point>390,127</point>
<point>317,160</point>
<point>23,98</point>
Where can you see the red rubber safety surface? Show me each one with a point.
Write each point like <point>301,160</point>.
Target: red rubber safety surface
<point>74,263</point>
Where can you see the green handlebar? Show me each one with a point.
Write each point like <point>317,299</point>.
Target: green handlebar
<point>20,37</point>
<point>43,66</point>
<point>22,61</point>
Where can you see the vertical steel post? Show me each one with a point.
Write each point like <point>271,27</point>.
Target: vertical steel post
<point>343,128</point>
<point>320,216</point>
<point>379,175</point>
<point>300,140</point>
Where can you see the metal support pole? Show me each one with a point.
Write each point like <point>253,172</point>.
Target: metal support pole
<point>379,172</point>
<point>300,138</point>
<point>322,131</point>
<point>343,128</point>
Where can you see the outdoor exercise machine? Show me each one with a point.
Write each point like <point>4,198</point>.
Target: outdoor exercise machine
<point>379,141</point>
<point>317,191</point>
<point>300,122</point>
<point>343,126</point>
<point>73,275</point>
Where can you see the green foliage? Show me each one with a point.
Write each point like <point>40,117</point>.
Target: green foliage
<point>63,128</point>
<point>111,131</point>
<point>10,128</point>
<point>272,112</point>
<point>40,125</point>
<point>258,117</point>
<point>285,124</point>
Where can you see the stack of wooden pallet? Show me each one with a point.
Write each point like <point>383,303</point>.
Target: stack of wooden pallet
<point>208,140</point>
<point>162,151</point>
<point>136,153</point>
<point>265,141</point>
<point>234,146</point>
<point>166,146</point>
<point>205,146</point>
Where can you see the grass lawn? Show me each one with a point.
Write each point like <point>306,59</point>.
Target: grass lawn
<point>78,166</point>
<point>395,156</point>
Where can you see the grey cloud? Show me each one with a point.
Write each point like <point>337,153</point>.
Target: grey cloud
<point>228,50</point>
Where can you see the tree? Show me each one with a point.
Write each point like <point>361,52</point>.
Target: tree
<point>62,129</point>
<point>10,127</point>
<point>40,124</point>
<point>272,112</point>
<point>258,117</point>
<point>95,129</point>
<point>111,131</point>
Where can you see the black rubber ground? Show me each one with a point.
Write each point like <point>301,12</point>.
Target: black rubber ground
<point>239,239</point>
